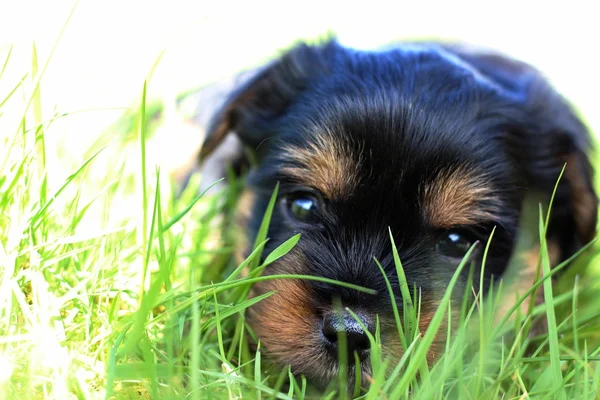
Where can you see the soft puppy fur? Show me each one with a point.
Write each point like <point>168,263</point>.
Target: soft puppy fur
<point>435,143</point>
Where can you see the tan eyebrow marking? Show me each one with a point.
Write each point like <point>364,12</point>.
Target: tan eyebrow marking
<point>325,164</point>
<point>452,199</point>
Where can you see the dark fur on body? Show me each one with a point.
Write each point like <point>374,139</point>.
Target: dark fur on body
<point>423,139</point>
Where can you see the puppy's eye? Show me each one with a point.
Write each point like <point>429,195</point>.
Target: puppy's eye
<point>301,206</point>
<point>454,244</point>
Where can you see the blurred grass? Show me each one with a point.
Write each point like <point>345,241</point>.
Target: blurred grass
<point>111,286</point>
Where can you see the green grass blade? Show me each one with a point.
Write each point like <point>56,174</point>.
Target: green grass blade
<point>434,325</point>
<point>281,250</point>
<point>261,236</point>
<point>502,324</point>
<point>35,219</point>
<point>394,305</point>
<point>257,371</point>
<point>219,329</point>
<point>12,92</point>
<point>258,249</point>
<point>10,49</point>
<point>407,303</point>
<point>188,208</point>
<point>557,376</point>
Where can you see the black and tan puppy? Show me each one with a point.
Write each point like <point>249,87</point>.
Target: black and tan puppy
<point>439,143</point>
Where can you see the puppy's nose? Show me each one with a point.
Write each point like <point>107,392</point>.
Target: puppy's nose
<point>357,340</point>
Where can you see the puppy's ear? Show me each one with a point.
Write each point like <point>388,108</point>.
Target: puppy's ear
<point>250,108</point>
<point>547,135</point>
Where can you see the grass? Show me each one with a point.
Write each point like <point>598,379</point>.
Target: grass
<point>111,286</point>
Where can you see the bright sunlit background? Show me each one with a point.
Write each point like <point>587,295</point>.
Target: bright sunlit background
<point>108,48</point>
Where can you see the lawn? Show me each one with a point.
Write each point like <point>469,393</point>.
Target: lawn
<point>113,285</point>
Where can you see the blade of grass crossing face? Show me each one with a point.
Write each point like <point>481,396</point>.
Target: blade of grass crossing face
<point>277,253</point>
<point>394,305</point>
<point>545,222</point>
<point>282,250</point>
<point>482,316</point>
<point>230,311</point>
<point>538,283</point>
<point>206,290</point>
<point>247,261</point>
<point>375,354</point>
<point>304,385</point>
<point>433,328</point>
<point>393,378</point>
<point>291,380</point>
<point>219,287</point>
<point>342,352</point>
<point>407,303</point>
<point>261,236</point>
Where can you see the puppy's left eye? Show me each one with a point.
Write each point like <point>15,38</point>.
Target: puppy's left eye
<point>301,207</point>
<point>454,244</point>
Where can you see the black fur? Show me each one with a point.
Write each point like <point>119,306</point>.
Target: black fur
<point>409,112</point>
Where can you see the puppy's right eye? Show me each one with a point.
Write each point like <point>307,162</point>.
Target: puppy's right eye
<point>301,207</point>
<point>454,244</point>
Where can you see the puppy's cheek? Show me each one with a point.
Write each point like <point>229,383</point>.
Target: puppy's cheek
<point>392,346</point>
<point>288,327</point>
<point>519,281</point>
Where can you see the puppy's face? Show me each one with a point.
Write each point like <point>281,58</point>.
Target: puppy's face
<point>423,142</point>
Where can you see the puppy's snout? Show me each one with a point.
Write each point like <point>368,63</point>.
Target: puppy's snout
<point>344,324</point>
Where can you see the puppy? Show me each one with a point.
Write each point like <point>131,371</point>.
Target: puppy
<point>438,143</point>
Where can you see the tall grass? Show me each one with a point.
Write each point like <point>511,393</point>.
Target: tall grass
<point>111,286</point>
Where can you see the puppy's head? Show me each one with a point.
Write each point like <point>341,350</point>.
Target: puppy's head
<point>438,144</point>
